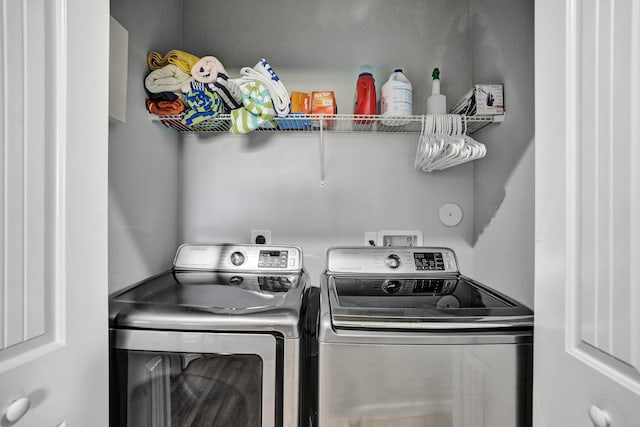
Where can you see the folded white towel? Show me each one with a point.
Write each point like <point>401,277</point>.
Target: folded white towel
<point>169,78</point>
<point>263,73</point>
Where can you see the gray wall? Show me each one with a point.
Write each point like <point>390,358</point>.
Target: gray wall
<point>319,45</point>
<point>166,189</point>
<point>143,156</point>
<point>234,184</point>
<point>502,35</point>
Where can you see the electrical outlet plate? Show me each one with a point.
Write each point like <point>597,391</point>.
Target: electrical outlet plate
<point>265,233</point>
<point>370,238</point>
<point>400,238</point>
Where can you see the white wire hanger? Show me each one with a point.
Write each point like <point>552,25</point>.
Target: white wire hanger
<point>444,143</point>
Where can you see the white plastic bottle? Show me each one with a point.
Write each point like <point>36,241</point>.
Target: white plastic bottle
<point>436,103</point>
<point>396,99</point>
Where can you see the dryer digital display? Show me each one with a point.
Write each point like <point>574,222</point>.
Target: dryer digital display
<point>431,261</point>
<point>273,259</point>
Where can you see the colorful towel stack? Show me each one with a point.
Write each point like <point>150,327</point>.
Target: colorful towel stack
<point>254,99</point>
<point>169,73</point>
<point>210,75</point>
<point>209,91</point>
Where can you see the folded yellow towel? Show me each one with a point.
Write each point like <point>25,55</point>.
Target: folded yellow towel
<point>184,60</point>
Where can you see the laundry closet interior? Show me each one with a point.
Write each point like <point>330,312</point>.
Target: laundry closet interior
<point>168,187</point>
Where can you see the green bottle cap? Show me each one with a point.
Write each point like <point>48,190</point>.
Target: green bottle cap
<point>436,74</point>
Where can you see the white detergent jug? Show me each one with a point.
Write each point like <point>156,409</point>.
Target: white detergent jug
<point>396,99</point>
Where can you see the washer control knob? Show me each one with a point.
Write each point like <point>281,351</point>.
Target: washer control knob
<point>392,261</point>
<point>237,258</point>
<point>236,280</point>
<point>391,286</point>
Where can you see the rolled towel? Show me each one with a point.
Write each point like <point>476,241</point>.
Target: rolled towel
<point>163,96</point>
<point>184,60</point>
<point>206,70</point>
<point>226,89</point>
<point>167,96</point>
<point>258,110</point>
<point>169,78</point>
<point>265,74</point>
<point>165,107</point>
<point>203,105</point>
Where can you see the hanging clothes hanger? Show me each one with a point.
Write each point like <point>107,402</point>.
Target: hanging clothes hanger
<point>444,143</point>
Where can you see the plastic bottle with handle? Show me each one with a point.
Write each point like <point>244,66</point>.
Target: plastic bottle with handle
<point>396,99</point>
<point>365,97</point>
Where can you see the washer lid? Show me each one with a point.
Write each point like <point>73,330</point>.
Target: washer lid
<point>197,300</point>
<point>446,302</point>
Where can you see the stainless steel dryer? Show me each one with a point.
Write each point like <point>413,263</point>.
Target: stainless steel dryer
<point>405,340</point>
<point>214,342</point>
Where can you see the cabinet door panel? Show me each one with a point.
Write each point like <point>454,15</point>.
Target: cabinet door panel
<point>53,220</point>
<point>27,173</point>
<point>587,205</point>
<point>606,183</point>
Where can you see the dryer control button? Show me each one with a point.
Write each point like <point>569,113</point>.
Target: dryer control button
<point>392,261</point>
<point>237,258</point>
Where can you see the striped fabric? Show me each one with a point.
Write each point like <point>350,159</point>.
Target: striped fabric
<point>227,90</point>
<point>203,105</point>
<point>258,110</point>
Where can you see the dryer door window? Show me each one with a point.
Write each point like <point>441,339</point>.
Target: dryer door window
<point>172,389</point>
<point>195,389</point>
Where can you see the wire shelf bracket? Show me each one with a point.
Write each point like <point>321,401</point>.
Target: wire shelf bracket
<point>324,124</point>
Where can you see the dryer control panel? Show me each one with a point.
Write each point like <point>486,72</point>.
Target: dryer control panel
<point>392,260</point>
<point>223,257</point>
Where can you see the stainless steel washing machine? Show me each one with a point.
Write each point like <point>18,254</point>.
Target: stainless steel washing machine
<point>406,340</point>
<point>214,342</point>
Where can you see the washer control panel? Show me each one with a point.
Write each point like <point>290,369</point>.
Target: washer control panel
<point>221,257</point>
<point>391,260</point>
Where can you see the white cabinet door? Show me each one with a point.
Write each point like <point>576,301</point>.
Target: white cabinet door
<point>53,212</point>
<point>587,331</point>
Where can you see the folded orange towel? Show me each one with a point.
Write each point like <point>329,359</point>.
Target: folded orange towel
<point>165,107</point>
<point>182,59</point>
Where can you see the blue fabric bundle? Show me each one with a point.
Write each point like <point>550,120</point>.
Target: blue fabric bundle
<point>203,105</point>
<point>227,90</point>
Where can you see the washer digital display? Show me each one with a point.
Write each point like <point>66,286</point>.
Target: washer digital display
<point>431,261</point>
<point>273,259</point>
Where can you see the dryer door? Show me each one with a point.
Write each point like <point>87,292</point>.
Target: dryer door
<point>166,378</point>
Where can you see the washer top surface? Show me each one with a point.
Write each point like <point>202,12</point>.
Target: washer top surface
<point>211,287</point>
<point>412,288</point>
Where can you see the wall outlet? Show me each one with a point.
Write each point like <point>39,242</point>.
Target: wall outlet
<point>370,238</point>
<point>261,237</point>
<point>400,238</point>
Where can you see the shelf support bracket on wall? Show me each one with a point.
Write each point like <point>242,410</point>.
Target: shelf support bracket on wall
<point>338,123</point>
<point>321,151</point>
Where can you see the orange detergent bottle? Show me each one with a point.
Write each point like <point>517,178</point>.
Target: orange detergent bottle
<point>365,97</point>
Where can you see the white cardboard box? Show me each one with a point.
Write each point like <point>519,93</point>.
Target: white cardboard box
<point>481,100</point>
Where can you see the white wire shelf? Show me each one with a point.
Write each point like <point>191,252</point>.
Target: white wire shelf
<point>340,123</point>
